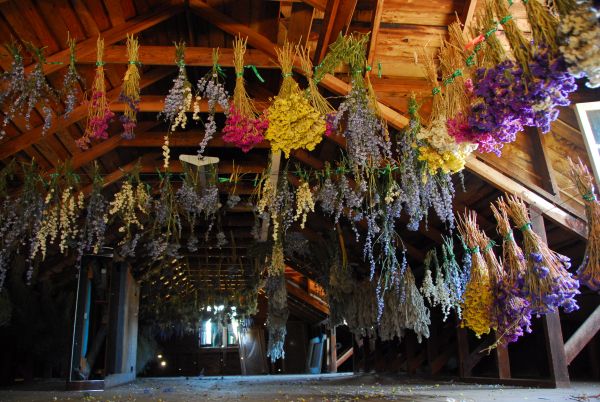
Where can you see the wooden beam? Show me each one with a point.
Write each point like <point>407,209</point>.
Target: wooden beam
<point>300,23</point>
<point>87,47</point>
<point>345,356</point>
<point>320,5</point>
<point>541,160</point>
<point>332,341</point>
<point>557,358</point>
<point>156,103</point>
<point>32,136</point>
<point>302,295</point>
<point>180,140</point>
<point>584,334</point>
<point>375,24</point>
<point>338,15</point>
<point>467,14</point>
<point>263,44</point>
<point>165,56</point>
<point>554,212</point>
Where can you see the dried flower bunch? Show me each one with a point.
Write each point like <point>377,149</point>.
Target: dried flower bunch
<point>166,226</point>
<point>547,284</point>
<point>278,312</point>
<point>62,207</point>
<point>365,132</point>
<point>304,203</point>
<point>15,84</point>
<point>454,278</point>
<point>579,33</point>
<point>293,121</point>
<point>244,126</point>
<point>93,231</point>
<point>588,272</point>
<point>130,205</point>
<point>71,81</point>
<point>179,99</point>
<point>512,311</point>
<point>130,91</point>
<point>99,114</point>
<point>212,89</point>
<point>478,298</point>
<point>25,93</point>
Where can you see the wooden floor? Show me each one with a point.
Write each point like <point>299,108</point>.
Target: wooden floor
<point>335,387</point>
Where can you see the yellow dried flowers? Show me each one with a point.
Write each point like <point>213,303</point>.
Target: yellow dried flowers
<point>305,203</point>
<point>293,122</point>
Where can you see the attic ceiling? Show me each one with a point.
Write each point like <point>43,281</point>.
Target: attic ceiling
<point>533,167</point>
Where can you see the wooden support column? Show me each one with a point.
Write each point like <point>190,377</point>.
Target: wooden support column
<point>541,160</point>
<point>557,358</point>
<point>503,361</point>
<point>338,15</point>
<point>584,334</point>
<point>332,351</point>
<point>462,341</point>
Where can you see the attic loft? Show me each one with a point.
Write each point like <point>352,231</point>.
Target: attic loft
<point>373,192</point>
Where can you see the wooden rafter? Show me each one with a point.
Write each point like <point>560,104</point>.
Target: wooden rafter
<point>338,15</point>
<point>375,24</point>
<point>300,23</point>
<point>265,45</point>
<point>541,160</point>
<point>87,47</point>
<point>165,56</point>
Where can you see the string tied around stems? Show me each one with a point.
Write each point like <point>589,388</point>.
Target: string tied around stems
<point>473,250</point>
<point>284,75</point>
<point>525,227</point>
<point>100,63</point>
<point>489,246</point>
<point>589,196</point>
<point>255,71</point>
<point>509,236</point>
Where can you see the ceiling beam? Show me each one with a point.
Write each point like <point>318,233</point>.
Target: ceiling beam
<point>554,212</point>
<point>375,24</point>
<point>165,56</point>
<point>26,139</point>
<point>467,14</point>
<point>265,45</point>
<point>87,47</point>
<point>320,5</point>
<point>300,23</point>
<point>338,15</point>
<point>156,103</point>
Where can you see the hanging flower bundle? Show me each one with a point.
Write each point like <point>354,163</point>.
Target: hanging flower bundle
<point>93,231</point>
<point>579,33</point>
<point>166,226</point>
<point>293,122</point>
<point>71,81</point>
<point>437,147</point>
<point>62,207</point>
<point>454,278</point>
<point>15,84</point>
<point>278,313</point>
<point>588,272</point>
<point>304,203</point>
<point>365,133</point>
<point>212,89</point>
<point>130,205</point>
<point>99,114</point>
<point>244,126</point>
<point>478,297</point>
<point>179,99</point>
<point>130,92</point>
<point>415,315</point>
<point>513,314</point>
<point>547,284</point>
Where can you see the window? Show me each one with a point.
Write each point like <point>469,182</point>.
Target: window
<point>588,115</point>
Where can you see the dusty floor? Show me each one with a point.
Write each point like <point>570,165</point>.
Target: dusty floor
<point>337,387</point>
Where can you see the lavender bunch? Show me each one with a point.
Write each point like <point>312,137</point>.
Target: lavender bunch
<point>496,114</point>
<point>210,88</point>
<point>548,88</point>
<point>454,277</point>
<point>277,315</point>
<point>15,84</point>
<point>327,196</point>
<point>93,232</point>
<point>34,90</point>
<point>364,131</point>
<point>71,81</point>
<point>179,99</point>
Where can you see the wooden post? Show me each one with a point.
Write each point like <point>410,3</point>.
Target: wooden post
<point>584,334</point>
<point>332,351</point>
<point>463,352</point>
<point>503,360</point>
<point>555,347</point>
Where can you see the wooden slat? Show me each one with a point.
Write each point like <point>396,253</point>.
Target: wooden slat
<point>115,34</point>
<point>555,348</point>
<point>165,56</point>
<point>375,24</point>
<point>584,334</point>
<point>541,160</point>
<point>300,23</point>
<point>295,291</point>
<point>338,15</point>
<point>115,12</point>
<point>155,103</point>
<point>28,138</point>
<point>85,17</point>
<point>505,183</point>
<point>318,4</point>
<point>98,13</point>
